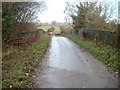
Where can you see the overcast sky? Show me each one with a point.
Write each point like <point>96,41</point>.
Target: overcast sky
<point>55,10</point>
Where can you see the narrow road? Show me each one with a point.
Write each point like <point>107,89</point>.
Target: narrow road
<point>66,65</point>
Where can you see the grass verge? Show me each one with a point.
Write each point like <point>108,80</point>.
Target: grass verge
<point>105,53</point>
<point>18,66</point>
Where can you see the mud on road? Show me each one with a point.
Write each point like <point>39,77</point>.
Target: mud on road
<point>66,65</point>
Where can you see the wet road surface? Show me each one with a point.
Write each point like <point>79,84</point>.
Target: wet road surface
<point>66,65</point>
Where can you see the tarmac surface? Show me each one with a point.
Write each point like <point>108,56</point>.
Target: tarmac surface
<point>66,65</point>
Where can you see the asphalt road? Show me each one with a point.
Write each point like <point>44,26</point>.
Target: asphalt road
<point>66,65</point>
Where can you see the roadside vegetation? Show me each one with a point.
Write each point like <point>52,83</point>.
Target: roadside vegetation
<point>95,20</point>
<point>19,17</point>
<point>106,53</point>
<point>96,29</point>
<point>18,65</point>
<point>23,45</point>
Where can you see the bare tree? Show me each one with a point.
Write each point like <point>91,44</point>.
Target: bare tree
<point>19,12</point>
<point>91,15</point>
<point>27,11</point>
